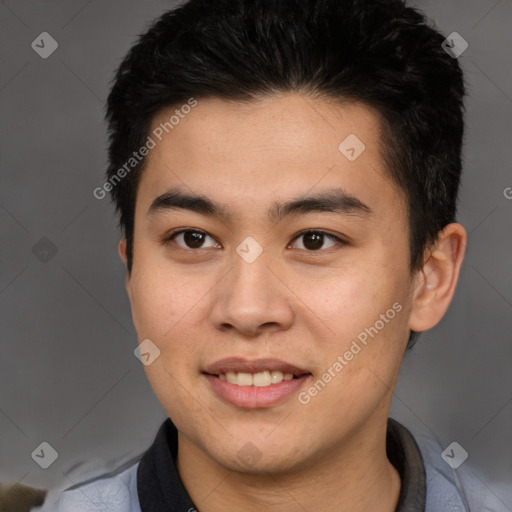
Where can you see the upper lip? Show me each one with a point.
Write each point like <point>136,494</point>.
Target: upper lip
<point>239,364</point>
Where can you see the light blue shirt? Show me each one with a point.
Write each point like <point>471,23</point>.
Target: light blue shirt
<point>448,490</point>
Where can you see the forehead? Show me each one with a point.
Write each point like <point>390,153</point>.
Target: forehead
<point>251,153</point>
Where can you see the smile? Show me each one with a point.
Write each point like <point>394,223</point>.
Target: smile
<point>254,384</point>
<point>260,379</point>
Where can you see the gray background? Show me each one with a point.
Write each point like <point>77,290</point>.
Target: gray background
<point>67,371</point>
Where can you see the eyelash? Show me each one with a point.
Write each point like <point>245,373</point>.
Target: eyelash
<point>170,238</point>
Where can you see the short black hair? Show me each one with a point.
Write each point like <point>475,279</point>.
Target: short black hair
<point>382,53</point>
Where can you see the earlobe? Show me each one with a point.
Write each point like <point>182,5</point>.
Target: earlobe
<point>121,249</point>
<point>437,280</point>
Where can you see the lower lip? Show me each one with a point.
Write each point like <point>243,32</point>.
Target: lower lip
<point>254,397</point>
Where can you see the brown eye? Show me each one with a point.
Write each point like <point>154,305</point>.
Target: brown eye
<point>314,240</point>
<point>192,239</point>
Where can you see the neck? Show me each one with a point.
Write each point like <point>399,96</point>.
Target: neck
<point>356,477</point>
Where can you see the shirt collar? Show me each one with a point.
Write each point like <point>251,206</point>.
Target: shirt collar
<point>403,452</point>
<point>160,488</point>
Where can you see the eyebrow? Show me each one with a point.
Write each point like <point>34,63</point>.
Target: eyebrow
<point>334,201</point>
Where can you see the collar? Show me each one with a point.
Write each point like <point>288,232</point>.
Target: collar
<point>404,453</point>
<point>160,488</point>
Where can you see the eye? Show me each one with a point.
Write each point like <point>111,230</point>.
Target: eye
<point>314,240</point>
<point>196,239</point>
<point>191,239</point>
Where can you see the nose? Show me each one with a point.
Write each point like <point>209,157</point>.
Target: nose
<point>253,299</point>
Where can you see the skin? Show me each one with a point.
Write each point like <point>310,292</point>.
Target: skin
<point>302,306</point>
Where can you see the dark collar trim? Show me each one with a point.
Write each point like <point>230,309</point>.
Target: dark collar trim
<point>404,454</point>
<point>159,486</point>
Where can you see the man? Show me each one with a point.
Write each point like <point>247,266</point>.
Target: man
<point>286,176</point>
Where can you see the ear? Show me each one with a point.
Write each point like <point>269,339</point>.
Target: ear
<point>436,281</point>
<point>121,249</point>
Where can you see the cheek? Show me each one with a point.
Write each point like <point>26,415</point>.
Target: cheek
<point>348,301</point>
<point>366,314</point>
<point>163,296</point>
<point>165,309</point>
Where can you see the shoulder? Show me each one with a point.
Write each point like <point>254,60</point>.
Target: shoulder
<point>454,489</point>
<point>112,492</point>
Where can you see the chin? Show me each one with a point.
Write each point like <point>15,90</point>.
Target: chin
<point>257,456</point>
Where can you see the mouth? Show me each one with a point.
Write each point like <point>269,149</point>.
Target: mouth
<point>254,384</point>
<point>260,379</point>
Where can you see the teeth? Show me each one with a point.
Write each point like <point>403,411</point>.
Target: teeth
<point>276,377</point>
<point>231,377</point>
<point>261,379</point>
<point>244,379</point>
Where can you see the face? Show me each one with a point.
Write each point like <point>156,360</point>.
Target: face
<point>271,270</point>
